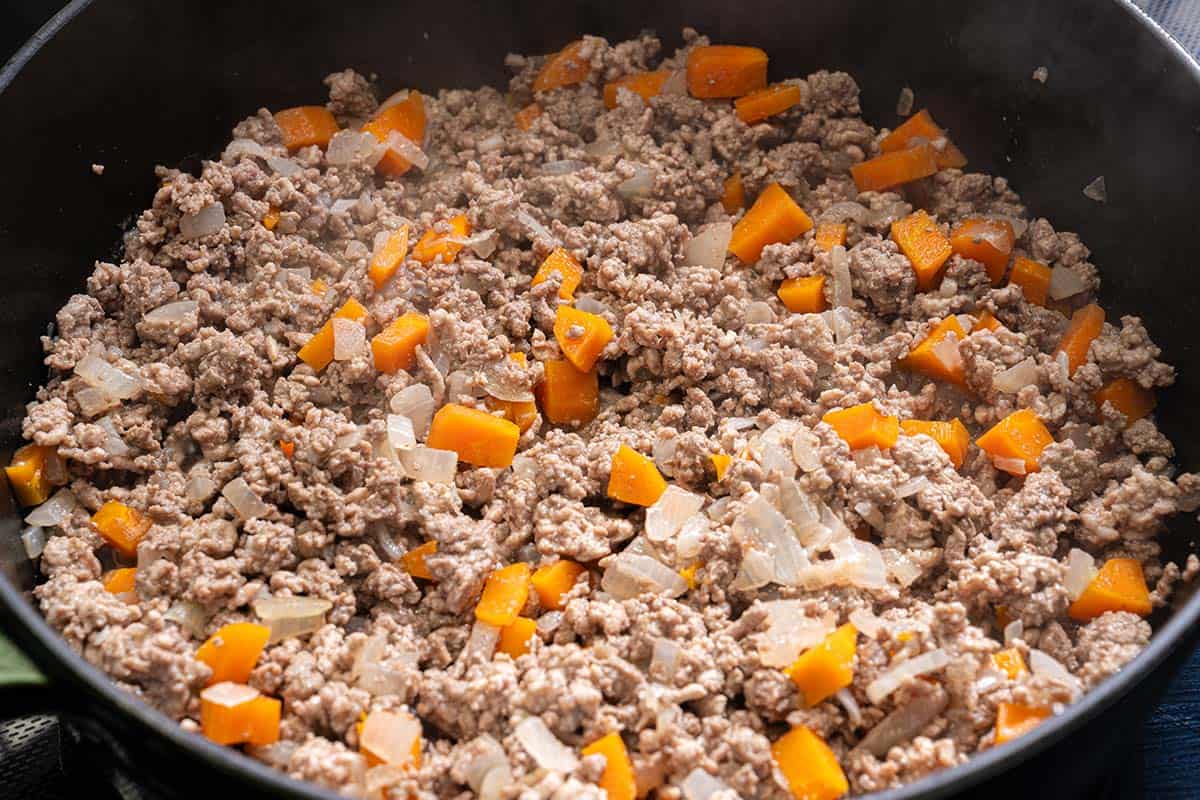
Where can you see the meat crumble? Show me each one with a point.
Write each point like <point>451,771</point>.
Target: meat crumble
<point>348,390</point>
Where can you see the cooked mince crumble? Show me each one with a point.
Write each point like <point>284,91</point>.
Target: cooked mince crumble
<point>648,428</point>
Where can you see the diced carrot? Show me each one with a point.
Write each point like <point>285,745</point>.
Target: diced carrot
<point>1017,719</point>
<point>829,235</point>
<point>255,721</point>
<point>773,218</point>
<point>888,170</point>
<point>862,426</point>
<point>288,448</point>
<point>924,244</point>
<point>568,396</point>
<point>27,474</point>
<point>522,413</point>
<point>306,125</point>
<point>803,295</point>
<point>1086,324</point>
<point>395,347</point>
<point>319,287</point>
<point>381,722</point>
<point>720,462</point>
<point>643,84</point>
<point>724,70</point>
<point>434,245</point>
<point>271,219</point>
<point>634,478</point>
<point>478,437</point>
<point>688,573</point>
<point>564,263</point>
<point>389,258</point>
<point>504,595</point>
<point>121,526</point>
<point>581,336</point>
<point>951,436</point>
<point>924,357</point>
<point>809,766</point>
<point>1120,585</point>
<point>1020,435</point>
<point>986,322</point>
<point>733,195</point>
<point>1032,277</point>
<point>406,118</point>
<point>920,128</point>
<point>988,241</point>
<point>121,580</point>
<point>318,351</point>
<point>515,638</point>
<point>820,671</point>
<point>413,561</point>
<point>1127,397</point>
<point>1009,662</point>
<point>553,581</point>
<point>233,651</point>
<point>617,781</point>
<point>264,714</point>
<point>565,68</point>
<point>766,103</point>
<point>525,117</point>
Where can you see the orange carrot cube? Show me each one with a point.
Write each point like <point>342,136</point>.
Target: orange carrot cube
<point>406,118</point>
<point>634,478</point>
<point>725,71</point>
<point>1019,436</point>
<point>918,129</point>
<point>951,436</point>
<point>1127,397</point>
<point>389,258</point>
<point>803,295</point>
<point>924,244</point>
<point>121,526</point>
<point>888,170</point>
<point>1086,325</point>
<point>515,638</point>
<point>820,671</point>
<point>931,360</point>
<point>733,195</point>
<point>504,595</point>
<point>581,336</point>
<point>765,103</point>
<point>565,68</point>
<point>233,651</point>
<point>862,426</point>
<point>829,235</point>
<point>305,125</point>
<point>809,766</point>
<point>413,561</point>
<point>434,245</point>
<point>773,218</point>
<point>395,347</point>
<point>988,241</point>
<point>478,437</point>
<point>1120,585</point>
<point>553,581</point>
<point>644,84</point>
<point>618,780</point>
<point>567,395</point>
<point>564,263</point>
<point>317,352</point>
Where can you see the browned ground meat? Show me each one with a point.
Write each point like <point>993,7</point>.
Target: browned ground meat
<point>705,359</point>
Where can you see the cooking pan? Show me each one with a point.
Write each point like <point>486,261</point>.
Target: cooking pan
<point>137,83</point>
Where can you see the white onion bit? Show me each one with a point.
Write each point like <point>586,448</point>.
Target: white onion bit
<point>641,184</point>
<point>1065,282</point>
<point>544,747</point>
<point>1081,568</point>
<point>229,694</point>
<point>709,246</point>
<point>349,339</point>
<point>894,678</point>
<point>699,785</point>
<point>407,149</point>
<point>291,616</point>
<point>667,515</point>
<point>33,539</point>
<point>204,222</point>
<point>1096,190</point>
<point>429,465</point>
<point>843,287</point>
<point>244,501</point>
<point>54,511</point>
<point>1016,377</point>
<point>389,736</point>
<point>416,403</point>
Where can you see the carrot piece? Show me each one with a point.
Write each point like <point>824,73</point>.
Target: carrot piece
<point>288,448</point>
<point>773,218</point>
<point>433,244</point>
<point>924,244</point>
<point>688,573</point>
<point>264,714</point>
<point>862,426</point>
<point>1127,397</point>
<point>306,125</point>
<point>820,671</point>
<point>1017,719</point>
<point>643,84</point>
<point>553,581</point>
<point>319,287</point>
<point>720,462</point>
<point>413,561</point>
<point>987,322</point>
<point>617,781</point>
<point>1020,435</point>
<point>581,336</point>
<point>406,118</point>
<point>565,68</point>
<point>988,241</point>
<point>504,595</point>
<point>478,437</point>
<point>634,478</point>
<point>733,195</point>
<point>395,347</point>
<point>1086,324</point>
<point>724,70</point>
<point>522,413</point>
<point>121,526</point>
<point>919,128</point>
<point>567,395</point>
<point>888,170</point>
<point>1120,585</point>
<point>1009,662</point>
<point>925,359</point>
<point>766,103</point>
<point>318,351</point>
<point>564,263</point>
<point>1032,277</point>
<point>255,721</point>
<point>233,651</point>
<point>515,638</point>
<point>389,258</point>
<point>120,580</point>
<point>271,219</point>
<point>525,117</point>
<point>951,436</point>
<point>809,766</point>
<point>27,474</point>
<point>829,235</point>
<point>803,295</point>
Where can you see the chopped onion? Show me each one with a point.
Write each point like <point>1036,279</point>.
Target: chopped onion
<point>902,568</point>
<point>847,701</point>
<point>482,243</point>
<point>763,527</point>
<point>535,228</point>
<point>54,511</point>
<point>563,166</point>
<point>690,539</point>
<point>390,736</point>
<point>709,246</point>
<point>904,103</point>
<point>104,376</point>
<point>499,389</point>
<point>178,311</point>
<point>343,204</point>
<point>870,514</point>
<point>1081,569</point>
<point>843,287</point>
<point>755,570</point>
<point>489,756</point>
<point>33,539</point>
<point>1096,190</point>
<point>93,401</point>
<point>776,461</point>
<point>543,746</point>
<point>640,185</point>
<point>676,83</point>
<point>1016,377</point>
<point>865,621</point>
<point>407,149</point>
<point>591,305</point>
<point>699,785</point>
<point>291,616</point>
<point>838,325</point>
<point>1063,362</point>
<point>494,783</point>
<point>489,143</point>
<point>905,722</point>
<point>1013,631</point>
<point>190,616</point>
<point>1013,466</point>
<point>946,352</point>
<point>603,147</point>
<point>867,570</point>
<point>347,145</point>
<point>912,486</point>
<point>349,339</point>
<point>400,432</point>
<point>416,403</point>
<point>789,631</point>
<point>759,312</point>
<point>629,575</point>
<point>673,508</point>
<point>664,658</point>
<point>113,442</point>
<point>1065,282</point>
<point>204,222</point>
<point>481,644</point>
<point>429,465</point>
<point>894,678</point>
<point>244,147</point>
<point>284,167</point>
<point>805,445</point>
<point>844,210</point>
<point>244,501</point>
<point>1045,666</point>
<point>228,694</point>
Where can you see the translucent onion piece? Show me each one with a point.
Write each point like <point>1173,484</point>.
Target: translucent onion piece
<point>284,167</point>
<point>709,246</point>
<point>33,539</point>
<point>390,547</point>
<point>343,204</point>
<point>641,184</point>
<point>843,287</point>
<point>797,506</point>
<point>674,507</point>
<point>114,382</point>
<point>429,465</point>
<point>946,351</point>
<point>761,523</point>
<point>1013,466</point>
<point>839,325</point>
<point>416,403</point>
<point>905,722</point>
<point>1013,631</point>
<point>1045,666</point>
<point>481,644</point>
<point>190,616</point>
<point>894,678</point>
<point>1064,363</point>
<point>204,222</point>
<point>489,143</point>
<point>494,783</point>
<point>846,699</point>
<point>912,486</point>
<point>503,390</point>
<point>664,658</point>
<point>870,514</point>
<point>903,569</point>
<point>407,149</point>
<point>846,210</point>
<point>400,433</point>
<point>867,623</point>
<point>563,166</point>
<point>755,570</point>
<point>805,448</point>
<point>54,511</point>
<point>178,311</point>
<point>869,570</point>
<point>535,228</point>
<point>389,736</point>
<point>488,756</point>
<point>1065,282</point>
<point>602,148</point>
<point>244,147</point>
<point>789,631</point>
<point>759,312</point>
<point>1096,190</point>
<point>591,305</point>
<point>777,461</point>
<point>347,145</point>
<point>1081,568</point>
<point>291,616</point>
<point>699,785</point>
<point>543,746</point>
<point>631,575</point>
<point>691,537</point>
<point>482,244</point>
<point>93,402</point>
<point>349,339</point>
<point>904,103</point>
<point>229,694</point>
<point>244,501</point>
<point>1016,377</point>
<point>113,442</point>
